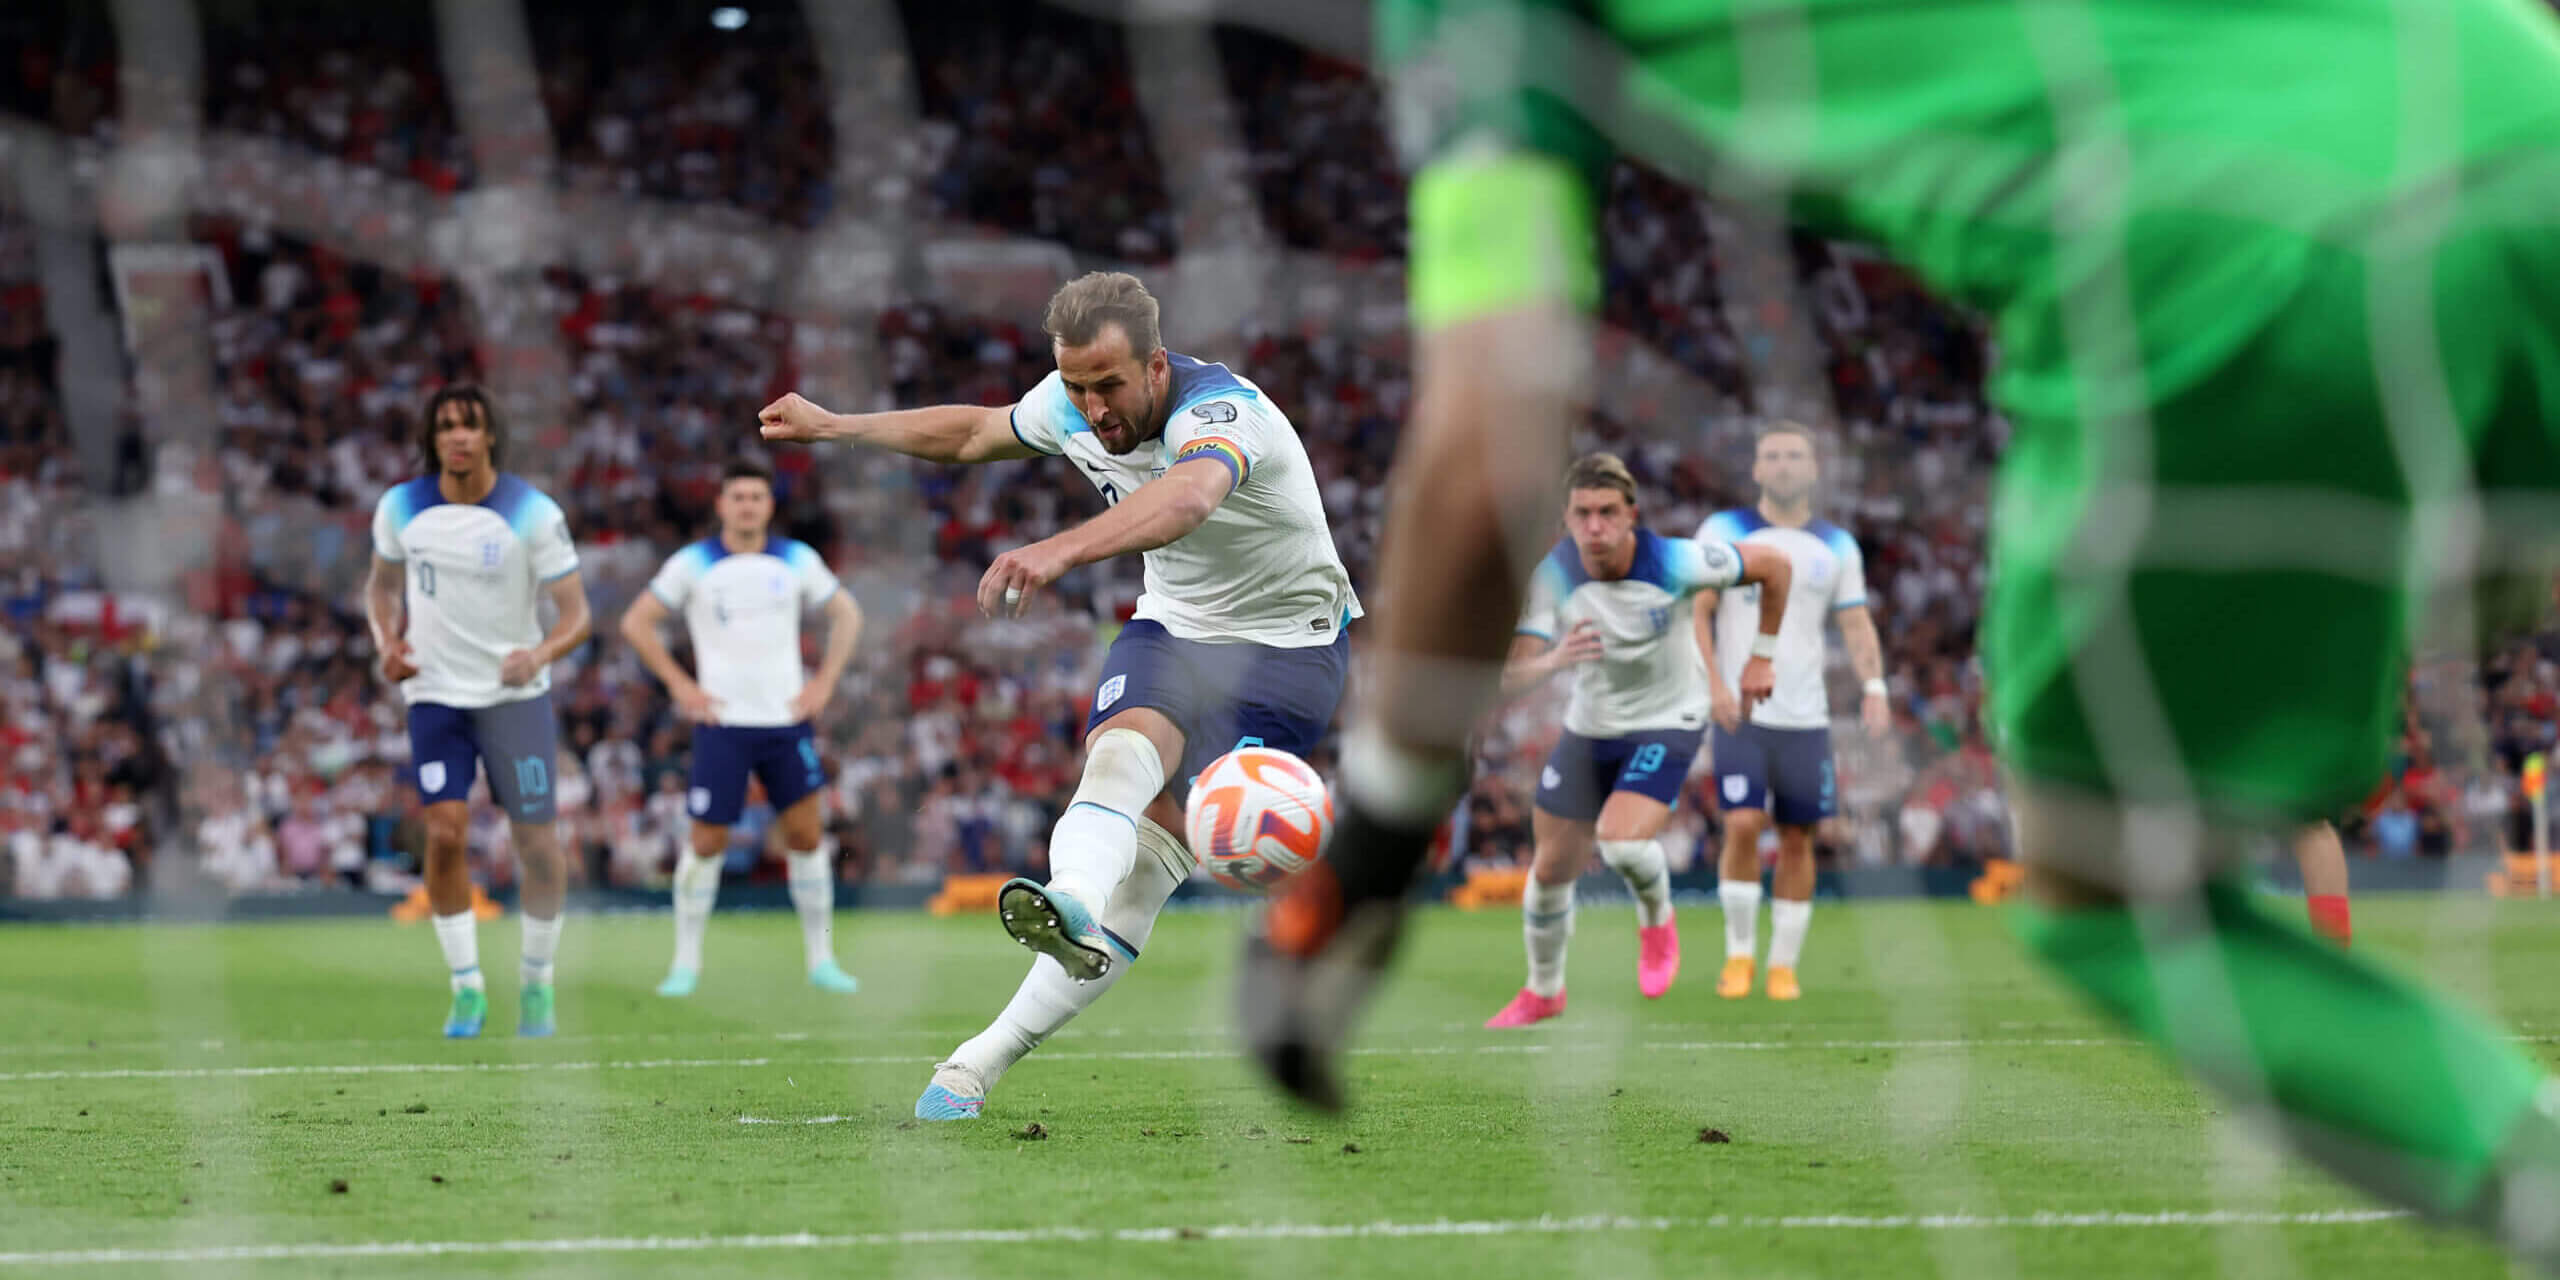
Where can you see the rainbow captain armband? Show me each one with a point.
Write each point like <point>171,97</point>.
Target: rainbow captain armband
<point>1498,231</point>
<point>1219,449</point>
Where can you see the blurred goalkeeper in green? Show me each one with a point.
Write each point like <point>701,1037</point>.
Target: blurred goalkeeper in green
<point>2277,301</point>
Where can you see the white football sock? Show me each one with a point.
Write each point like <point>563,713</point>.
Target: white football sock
<point>1546,925</point>
<point>1647,873</point>
<point>1741,899</point>
<point>459,935</point>
<point>541,939</point>
<point>697,889</point>
<point>813,895</point>
<point>1048,998</point>
<point>1096,841</point>
<point>1787,922</point>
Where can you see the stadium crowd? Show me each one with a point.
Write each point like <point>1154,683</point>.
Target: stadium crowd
<point>237,709</point>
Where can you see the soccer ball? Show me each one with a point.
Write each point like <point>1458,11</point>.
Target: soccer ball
<point>1256,817</point>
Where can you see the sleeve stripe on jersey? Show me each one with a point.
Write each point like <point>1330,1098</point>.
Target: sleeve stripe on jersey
<point>1859,603</point>
<point>1012,419</point>
<point>1547,636</point>
<point>1220,449</point>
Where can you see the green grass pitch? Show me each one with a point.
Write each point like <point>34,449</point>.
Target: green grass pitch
<point>274,1100</point>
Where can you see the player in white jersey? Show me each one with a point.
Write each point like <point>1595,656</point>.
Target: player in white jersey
<point>1609,605</point>
<point>742,592</point>
<point>1238,638</point>
<point>461,557</point>
<point>1774,761</point>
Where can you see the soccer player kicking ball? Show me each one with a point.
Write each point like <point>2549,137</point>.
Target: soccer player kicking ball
<point>1612,592</point>
<point>742,593</point>
<point>2278,354</point>
<point>1774,761</point>
<point>1238,638</point>
<point>461,555</point>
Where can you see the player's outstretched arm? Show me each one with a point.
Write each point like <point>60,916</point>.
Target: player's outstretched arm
<point>950,433</point>
<point>1162,510</point>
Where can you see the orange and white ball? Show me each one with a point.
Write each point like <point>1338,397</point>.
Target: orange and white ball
<point>1256,817</point>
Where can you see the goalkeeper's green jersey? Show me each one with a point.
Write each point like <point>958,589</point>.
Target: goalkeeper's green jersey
<point>2275,287</point>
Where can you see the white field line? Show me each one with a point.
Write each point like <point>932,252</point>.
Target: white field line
<point>1182,1234</point>
<point>1504,1048</point>
<point>1120,1055</point>
<point>733,1036</point>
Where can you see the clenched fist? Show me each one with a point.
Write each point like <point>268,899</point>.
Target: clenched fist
<point>794,418</point>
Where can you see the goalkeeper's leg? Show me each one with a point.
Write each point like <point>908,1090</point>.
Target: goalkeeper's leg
<point>1475,485</point>
<point>2386,1084</point>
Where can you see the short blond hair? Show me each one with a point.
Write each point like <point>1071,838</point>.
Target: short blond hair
<point>1079,310</point>
<point>1601,471</point>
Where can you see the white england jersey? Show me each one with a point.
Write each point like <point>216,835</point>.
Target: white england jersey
<point>1830,575</point>
<point>1650,674</point>
<point>475,571</point>
<point>1262,568</point>
<point>743,610</point>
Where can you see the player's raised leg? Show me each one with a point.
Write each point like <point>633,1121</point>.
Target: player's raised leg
<point>2323,860</point>
<point>1094,846</point>
<point>1546,916</point>
<point>1049,997</point>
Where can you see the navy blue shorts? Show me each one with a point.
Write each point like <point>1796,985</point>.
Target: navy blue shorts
<point>1784,771</point>
<point>1582,772</point>
<point>784,757</point>
<point>1222,696</point>
<point>517,740</point>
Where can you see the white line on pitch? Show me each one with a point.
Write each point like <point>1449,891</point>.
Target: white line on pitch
<point>720,1036</point>
<point>1180,1234</point>
<point>1117,1055</point>
<point>809,1120</point>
